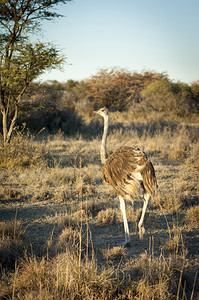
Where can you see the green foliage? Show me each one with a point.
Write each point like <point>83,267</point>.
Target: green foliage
<point>74,95</point>
<point>166,96</point>
<point>195,94</point>
<point>22,61</point>
<point>157,95</point>
<point>27,63</point>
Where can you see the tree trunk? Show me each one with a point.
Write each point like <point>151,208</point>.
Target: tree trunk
<point>12,124</point>
<point>7,130</point>
<point>5,127</point>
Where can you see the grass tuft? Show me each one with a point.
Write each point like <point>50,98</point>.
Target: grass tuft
<point>192,216</point>
<point>108,216</point>
<point>12,242</point>
<point>115,253</point>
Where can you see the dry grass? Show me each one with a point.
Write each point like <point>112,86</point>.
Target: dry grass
<point>192,216</point>
<point>157,279</point>
<point>68,275</point>
<point>12,229</point>
<point>12,242</point>
<point>64,242</point>
<point>68,236</point>
<point>168,201</point>
<point>59,279</point>
<point>21,153</point>
<point>115,253</point>
<point>108,216</point>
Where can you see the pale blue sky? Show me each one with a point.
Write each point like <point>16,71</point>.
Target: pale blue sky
<point>160,35</point>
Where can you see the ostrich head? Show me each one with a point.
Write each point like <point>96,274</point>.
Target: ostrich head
<point>102,112</point>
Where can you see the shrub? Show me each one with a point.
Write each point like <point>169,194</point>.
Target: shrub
<point>165,96</point>
<point>52,119</point>
<point>159,96</point>
<point>117,87</point>
<point>22,152</point>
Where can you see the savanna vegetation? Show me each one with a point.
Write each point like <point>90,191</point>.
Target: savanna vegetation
<point>53,106</point>
<point>60,226</point>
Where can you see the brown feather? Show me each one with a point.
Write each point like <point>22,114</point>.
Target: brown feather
<point>149,179</point>
<point>128,168</point>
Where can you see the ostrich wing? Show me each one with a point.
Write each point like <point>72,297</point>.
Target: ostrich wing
<point>125,170</point>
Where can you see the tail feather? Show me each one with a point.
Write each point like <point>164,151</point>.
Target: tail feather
<point>149,179</point>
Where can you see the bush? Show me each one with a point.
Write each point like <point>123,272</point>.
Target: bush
<point>21,153</point>
<point>117,87</point>
<point>52,120</point>
<point>166,96</point>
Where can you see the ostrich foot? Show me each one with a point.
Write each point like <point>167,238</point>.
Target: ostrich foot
<point>126,243</point>
<point>141,232</point>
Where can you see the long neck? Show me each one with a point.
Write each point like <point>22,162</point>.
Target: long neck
<point>103,152</point>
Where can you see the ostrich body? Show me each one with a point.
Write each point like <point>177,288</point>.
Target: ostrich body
<point>127,169</point>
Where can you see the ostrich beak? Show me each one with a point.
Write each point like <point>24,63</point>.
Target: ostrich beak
<point>100,112</point>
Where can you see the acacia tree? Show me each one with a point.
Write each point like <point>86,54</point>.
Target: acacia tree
<point>20,60</point>
<point>118,87</point>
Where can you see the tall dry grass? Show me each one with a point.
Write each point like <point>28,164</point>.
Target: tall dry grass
<point>69,275</point>
<point>12,242</point>
<point>73,218</point>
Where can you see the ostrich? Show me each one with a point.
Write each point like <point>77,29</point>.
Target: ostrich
<point>127,169</point>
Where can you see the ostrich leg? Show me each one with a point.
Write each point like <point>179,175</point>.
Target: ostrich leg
<point>126,227</point>
<point>140,224</point>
